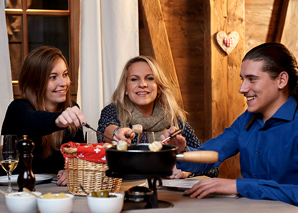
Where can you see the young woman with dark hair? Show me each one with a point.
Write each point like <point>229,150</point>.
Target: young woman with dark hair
<point>45,112</point>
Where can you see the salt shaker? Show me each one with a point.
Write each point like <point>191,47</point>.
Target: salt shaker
<point>26,177</point>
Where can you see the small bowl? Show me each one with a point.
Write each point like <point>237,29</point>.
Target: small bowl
<point>21,202</point>
<point>57,205</point>
<point>106,204</point>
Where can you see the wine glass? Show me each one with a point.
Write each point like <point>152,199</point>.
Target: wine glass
<point>146,137</point>
<point>91,137</point>
<point>9,156</point>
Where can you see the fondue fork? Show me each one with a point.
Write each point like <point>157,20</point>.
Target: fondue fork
<point>172,135</point>
<point>157,145</point>
<point>98,132</point>
<point>121,145</point>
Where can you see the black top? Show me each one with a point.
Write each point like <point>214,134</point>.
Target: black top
<point>22,119</point>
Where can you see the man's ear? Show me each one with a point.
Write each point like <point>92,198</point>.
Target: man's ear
<point>283,79</point>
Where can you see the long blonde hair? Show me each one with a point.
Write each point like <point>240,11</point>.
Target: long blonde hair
<point>33,83</point>
<point>165,98</point>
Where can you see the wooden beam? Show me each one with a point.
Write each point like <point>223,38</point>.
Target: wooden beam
<point>153,20</point>
<point>287,33</point>
<point>222,101</point>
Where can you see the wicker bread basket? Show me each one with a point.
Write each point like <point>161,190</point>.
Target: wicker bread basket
<point>91,175</point>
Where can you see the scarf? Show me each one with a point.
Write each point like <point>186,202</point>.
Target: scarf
<point>156,123</point>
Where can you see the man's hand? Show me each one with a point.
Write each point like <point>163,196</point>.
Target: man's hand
<point>212,185</point>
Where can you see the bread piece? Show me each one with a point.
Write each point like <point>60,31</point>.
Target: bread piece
<point>155,146</point>
<point>122,145</point>
<point>138,128</point>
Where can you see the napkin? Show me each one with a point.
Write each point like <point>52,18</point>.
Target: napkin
<point>89,152</point>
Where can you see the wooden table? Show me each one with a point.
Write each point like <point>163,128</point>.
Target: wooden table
<point>182,204</point>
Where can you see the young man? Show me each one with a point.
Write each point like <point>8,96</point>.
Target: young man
<point>266,134</point>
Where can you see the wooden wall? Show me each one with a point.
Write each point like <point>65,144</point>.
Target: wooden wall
<point>185,22</point>
<point>261,18</point>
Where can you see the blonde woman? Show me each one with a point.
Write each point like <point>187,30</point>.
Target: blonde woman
<point>145,96</point>
<point>45,112</point>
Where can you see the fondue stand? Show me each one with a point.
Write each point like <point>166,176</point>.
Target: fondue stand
<point>141,197</point>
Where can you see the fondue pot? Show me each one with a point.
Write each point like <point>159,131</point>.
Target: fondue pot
<point>138,159</point>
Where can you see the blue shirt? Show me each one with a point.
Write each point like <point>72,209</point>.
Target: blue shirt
<point>268,154</point>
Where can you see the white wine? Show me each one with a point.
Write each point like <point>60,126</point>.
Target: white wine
<point>9,165</point>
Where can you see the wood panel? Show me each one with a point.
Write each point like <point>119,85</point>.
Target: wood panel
<point>74,46</point>
<point>222,71</point>
<point>184,20</point>
<point>145,44</point>
<point>296,50</point>
<point>261,21</point>
<point>161,49</point>
<point>287,34</point>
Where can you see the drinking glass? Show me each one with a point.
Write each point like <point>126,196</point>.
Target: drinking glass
<point>9,156</point>
<point>91,137</point>
<point>146,137</point>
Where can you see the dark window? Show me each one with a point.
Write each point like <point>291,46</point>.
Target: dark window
<point>34,23</point>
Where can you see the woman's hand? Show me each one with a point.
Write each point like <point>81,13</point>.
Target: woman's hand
<point>212,185</point>
<point>178,140</point>
<point>124,134</point>
<point>178,173</point>
<point>62,181</point>
<point>70,116</point>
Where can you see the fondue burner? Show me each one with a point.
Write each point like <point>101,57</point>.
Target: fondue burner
<point>139,194</point>
<point>140,197</point>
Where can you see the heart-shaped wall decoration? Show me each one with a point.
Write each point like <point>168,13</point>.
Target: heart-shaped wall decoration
<point>227,42</point>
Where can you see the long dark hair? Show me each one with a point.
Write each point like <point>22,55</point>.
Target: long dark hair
<point>277,58</point>
<point>34,76</point>
<point>33,81</point>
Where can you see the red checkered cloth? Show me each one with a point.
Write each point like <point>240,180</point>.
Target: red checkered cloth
<point>228,41</point>
<point>91,152</point>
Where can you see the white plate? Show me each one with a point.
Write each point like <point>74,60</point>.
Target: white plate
<point>39,178</point>
<point>180,184</point>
